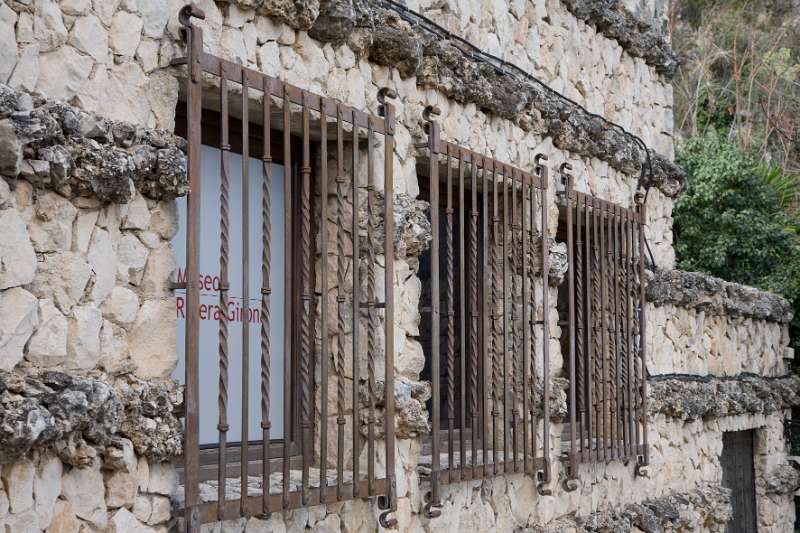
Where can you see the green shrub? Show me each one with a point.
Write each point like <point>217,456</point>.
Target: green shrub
<point>731,222</point>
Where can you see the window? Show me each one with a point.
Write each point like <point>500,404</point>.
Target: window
<point>603,331</point>
<point>483,280</point>
<point>296,361</point>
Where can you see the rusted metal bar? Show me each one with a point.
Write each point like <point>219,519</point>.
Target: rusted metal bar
<point>532,402</point>
<point>389,501</point>
<point>642,216</point>
<point>609,330</point>
<point>306,368</point>
<point>266,235</point>
<point>545,239</point>
<point>356,310</point>
<point>573,407</point>
<point>324,341</point>
<point>245,289</point>
<point>580,352</point>
<point>495,321</point>
<point>287,300</point>
<point>451,336</point>
<point>194,105</point>
<point>462,320</point>
<point>224,206</point>
<point>527,235</point>
<point>597,353</point>
<point>625,330</point>
<point>475,315</point>
<point>505,374</point>
<point>486,350</point>
<point>620,440</point>
<point>340,300</point>
<point>516,373</point>
<point>372,318</point>
<point>431,509</point>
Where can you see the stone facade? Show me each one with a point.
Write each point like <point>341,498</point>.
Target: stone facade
<point>89,428</point>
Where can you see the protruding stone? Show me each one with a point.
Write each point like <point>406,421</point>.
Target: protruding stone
<point>10,149</point>
<point>163,479</point>
<point>18,480</point>
<point>63,72</point>
<point>48,25</point>
<point>83,229</point>
<point>126,31</point>
<point>103,261</point>
<point>124,520</point>
<point>61,277</point>
<point>51,227</point>
<point>83,344</point>
<point>164,219</point>
<point>131,259</point>
<point>121,306</point>
<point>64,519</point>
<point>84,489</point>
<point>48,345</point>
<point>18,319</point>
<point>114,348</point>
<point>17,258</point>
<point>138,215</point>
<point>154,353</point>
<point>158,273</point>
<point>121,489</point>
<point>47,487</point>
<point>89,36</point>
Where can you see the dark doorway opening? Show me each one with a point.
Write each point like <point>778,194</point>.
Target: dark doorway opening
<point>738,474</point>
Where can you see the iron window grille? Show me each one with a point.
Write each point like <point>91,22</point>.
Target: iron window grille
<point>606,330</point>
<point>497,395</point>
<point>329,468</point>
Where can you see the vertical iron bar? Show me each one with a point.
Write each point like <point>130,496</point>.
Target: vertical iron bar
<point>610,327</point>
<point>603,310</point>
<point>580,352</point>
<point>573,456</point>
<point>527,220</point>
<point>515,352</point>
<point>624,345</point>
<point>244,460</point>
<point>288,170</point>
<point>632,443</point>
<point>433,142</point>
<point>474,315</point>
<point>485,333</point>
<point>306,365</point>
<point>451,337</point>
<point>533,404</point>
<point>373,319</point>
<point>340,300</point>
<point>495,320</point>
<point>356,311</point>
<point>592,333</point>
<point>389,119</point>
<point>224,201</point>
<point>545,324</point>
<point>266,234</point>
<point>620,440</point>
<point>324,346</point>
<point>462,321</point>
<point>194,105</point>
<point>643,326</point>
<point>506,349</point>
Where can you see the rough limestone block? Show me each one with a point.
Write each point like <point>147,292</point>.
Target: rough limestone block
<point>121,306</point>
<point>153,352</point>
<point>48,345</point>
<point>84,489</point>
<point>47,487</point>
<point>61,277</point>
<point>83,342</point>
<point>17,257</point>
<point>18,480</point>
<point>18,320</point>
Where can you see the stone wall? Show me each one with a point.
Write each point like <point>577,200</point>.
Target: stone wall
<point>87,332</point>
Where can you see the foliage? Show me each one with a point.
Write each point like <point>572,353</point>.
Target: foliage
<point>740,75</point>
<point>730,222</point>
